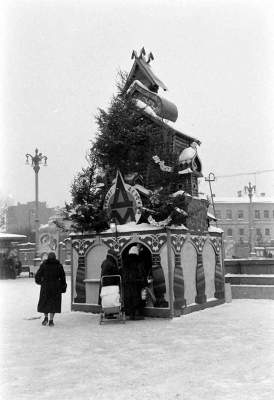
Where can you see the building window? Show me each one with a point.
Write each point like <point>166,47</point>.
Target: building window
<point>258,232</point>
<point>240,214</point>
<point>218,214</point>
<point>229,232</point>
<point>241,231</point>
<point>266,214</point>
<point>228,214</point>
<point>267,232</point>
<point>257,214</point>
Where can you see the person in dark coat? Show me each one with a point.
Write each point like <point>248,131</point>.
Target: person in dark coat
<point>109,267</point>
<point>134,280</point>
<point>51,277</point>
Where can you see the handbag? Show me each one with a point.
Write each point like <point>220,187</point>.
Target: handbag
<point>150,295</point>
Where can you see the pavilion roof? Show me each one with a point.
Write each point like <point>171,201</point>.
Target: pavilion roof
<point>11,236</point>
<point>141,69</point>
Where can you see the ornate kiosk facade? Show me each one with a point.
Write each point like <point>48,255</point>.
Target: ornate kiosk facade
<point>187,268</point>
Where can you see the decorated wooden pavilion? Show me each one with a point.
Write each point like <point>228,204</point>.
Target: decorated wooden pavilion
<point>185,259</point>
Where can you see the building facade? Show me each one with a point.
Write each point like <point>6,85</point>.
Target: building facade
<point>22,216</point>
<point>246,224</point>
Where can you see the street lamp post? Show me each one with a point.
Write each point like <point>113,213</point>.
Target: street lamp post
<point>36,161</point>
<point>250,190</point>
<point>209,179</point>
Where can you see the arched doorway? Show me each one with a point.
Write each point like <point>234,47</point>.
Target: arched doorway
<point>144,253</point>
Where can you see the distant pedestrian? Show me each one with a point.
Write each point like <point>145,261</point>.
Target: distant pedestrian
<point>18,266</point>
<point>51,277</point>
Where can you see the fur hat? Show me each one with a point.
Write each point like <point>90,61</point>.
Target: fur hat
<point>133,250</point>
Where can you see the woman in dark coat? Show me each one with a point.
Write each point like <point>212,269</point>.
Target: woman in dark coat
<point>51,277</point>
<point>134,280</point>
<point>109,267</point>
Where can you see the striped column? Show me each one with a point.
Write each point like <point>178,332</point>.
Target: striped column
<point>159,285</point>
<point>179,289</point>
<point>200,280</point>
<point>219,279</point>
<point>80,284</point>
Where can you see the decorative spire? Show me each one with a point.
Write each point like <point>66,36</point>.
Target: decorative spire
<point>142,55</point>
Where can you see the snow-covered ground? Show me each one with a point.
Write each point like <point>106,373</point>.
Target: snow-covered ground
<point>222,353</point>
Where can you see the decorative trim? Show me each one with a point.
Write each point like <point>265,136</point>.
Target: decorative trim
<point>219,279</point>
<point>159,283</point>
<point>154,242</point>
<point>178,284</point>
<point>200,280</point>
<point>199,242</point>
<point>82,245</point>
<point>80,284</point>
<point>216,243</point>
<point>115,243</point>
<point>177,242</point>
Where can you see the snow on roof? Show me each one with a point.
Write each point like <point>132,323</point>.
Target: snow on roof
<point>11,236</point>
<point>142,189</point>
<point>27,244</point>
<point>215,229</point>
<point>133,227</point>
<point>178,193</point>
<point>179,227</point>
<point>185,171</point>
<point>148,110</point>
<point>139,83</point>
<point>146,69</point>
<point>211,216</point>
<point>202,196</point>
<point>244,199</point>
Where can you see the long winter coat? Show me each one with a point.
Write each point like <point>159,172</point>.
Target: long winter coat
<point>134,280</point>
<point>51,277</point>
<point>109,267</point>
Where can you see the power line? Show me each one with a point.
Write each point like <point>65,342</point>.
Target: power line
<point>245,173</point>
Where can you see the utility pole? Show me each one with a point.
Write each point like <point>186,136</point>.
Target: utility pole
<point>36,161</point>
<point>250,190</point>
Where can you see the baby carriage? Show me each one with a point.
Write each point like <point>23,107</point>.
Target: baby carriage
<point>112,302</point>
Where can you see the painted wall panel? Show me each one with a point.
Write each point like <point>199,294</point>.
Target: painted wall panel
<point>209,262</point>
<point>189,264</point>
<point>94,259</point>
<point>163,255</point>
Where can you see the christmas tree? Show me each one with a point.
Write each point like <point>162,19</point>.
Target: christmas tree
<point>132,137</point>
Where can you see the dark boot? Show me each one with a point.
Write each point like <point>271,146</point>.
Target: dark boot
<point>45,321</point>
<point>51,323</point>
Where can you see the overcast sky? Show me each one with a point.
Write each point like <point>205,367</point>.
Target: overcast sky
<point>59,63</point>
